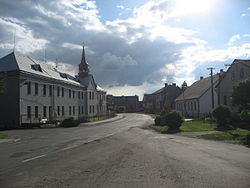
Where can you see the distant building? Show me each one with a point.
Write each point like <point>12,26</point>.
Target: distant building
<point>110,103</point>
<point>32,90</point>
<point>196,100</point>
<point>161,99</point>
<point>238,70</point>
<point>126,103</point>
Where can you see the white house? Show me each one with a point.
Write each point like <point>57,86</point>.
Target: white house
<point>196,100</point>
<point>33,90</point>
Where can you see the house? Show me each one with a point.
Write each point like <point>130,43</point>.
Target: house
<point>126,103</point>
<point>33,90</point>
<point>196,100</point>
<point>238,70</point>
<point>161,99</point>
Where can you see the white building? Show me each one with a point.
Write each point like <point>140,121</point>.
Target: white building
<point>196,100</point>
<point>33,90</point>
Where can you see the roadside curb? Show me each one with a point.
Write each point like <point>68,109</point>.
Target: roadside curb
<point>116,118</point>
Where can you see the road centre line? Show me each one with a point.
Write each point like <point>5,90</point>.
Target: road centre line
<point>33,158</point>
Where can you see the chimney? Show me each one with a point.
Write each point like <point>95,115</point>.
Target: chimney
<point>174,84</point>
<point>201,77</point>
<point>166,84</point>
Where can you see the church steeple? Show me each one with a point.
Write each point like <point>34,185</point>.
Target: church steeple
<point>83,66</point>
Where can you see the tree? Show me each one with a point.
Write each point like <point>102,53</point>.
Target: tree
<point>241,94</point>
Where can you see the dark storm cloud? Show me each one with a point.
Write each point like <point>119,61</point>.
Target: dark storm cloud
<point>113,60</point>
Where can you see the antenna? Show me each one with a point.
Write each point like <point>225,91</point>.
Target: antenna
<point>56,63</point>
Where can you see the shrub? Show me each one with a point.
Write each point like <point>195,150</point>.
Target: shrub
<point>69,122</point>
<point>222,115</point>
<point>245,116</point>
<point>173,120</point>
<point>160,120</point>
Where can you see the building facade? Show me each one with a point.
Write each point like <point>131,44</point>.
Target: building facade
<point>32,90</point>
<point>126,103</point>
<point>196,100</point>
<point>238,70</point>
<point>161,99</point>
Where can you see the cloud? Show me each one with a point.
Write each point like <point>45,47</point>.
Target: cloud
<point>128,56</point>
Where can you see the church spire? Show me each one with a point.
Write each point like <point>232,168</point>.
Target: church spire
<point>83,66</point>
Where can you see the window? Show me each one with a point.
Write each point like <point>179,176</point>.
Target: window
<point>28,112</point>
<point>28,88</point>
<point>73,110</point>
<point>78,94</point>
<point>44,90</point>
<point>58,110</point>
<point>90,109</point>
<point>69,93</point>
<point>50,111</point>
<point>232,76</point>
<point>36,67</point>
<point>89,95</point>
<point>36,111</point>
<point>194,106</point>
<point>225,100</point>
<point>62,110</point>
<point>82,95</point>
<point>70,110</point>
<point>50,90</point>
<point>58,91</point>
<point>79,110</point>
<point>93,108</point>
<point>36,88</point>
<point>62,92</point>
<point>82,109</point>
<point>44,111</point>
<point>242,74</point>
<point>73,94</point>
<point>93,96</point>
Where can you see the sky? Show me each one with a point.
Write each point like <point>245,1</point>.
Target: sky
<point>133,46</point>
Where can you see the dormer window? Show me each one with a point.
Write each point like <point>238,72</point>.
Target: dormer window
<point>36,67</point>
<point>64,75</point>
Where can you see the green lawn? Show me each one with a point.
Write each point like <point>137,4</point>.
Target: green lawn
<point>99,118</point>
<point>197,126</point>
<point>2,135</point>
<point>188,126</point>
<point>160,129</point>
<point>240,136</point>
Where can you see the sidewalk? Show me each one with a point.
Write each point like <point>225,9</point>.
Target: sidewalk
<point>117,117</point>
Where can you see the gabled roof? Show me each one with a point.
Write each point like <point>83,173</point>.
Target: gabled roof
<point>87,79</point>
<point>198,88</point>
<point>235,62</point>
<point>17,62</point>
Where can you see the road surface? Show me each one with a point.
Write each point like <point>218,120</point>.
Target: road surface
<point>123,153</point>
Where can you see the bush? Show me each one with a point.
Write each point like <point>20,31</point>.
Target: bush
<point>222,115</point>
<point>69,122</point>
<point>160,120</point>
<point>245,116</point>
<point>173,120</point>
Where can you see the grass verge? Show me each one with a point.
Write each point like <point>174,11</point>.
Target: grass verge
<point>99,118</point>
<point>160,129</point>
<point>2,135</point>
<point>237,136</point>
<point>197,126</point>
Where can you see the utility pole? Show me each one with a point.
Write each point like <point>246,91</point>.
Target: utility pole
<point>212,85</point>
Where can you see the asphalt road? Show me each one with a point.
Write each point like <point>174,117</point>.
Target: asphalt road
<point>123,153</point>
